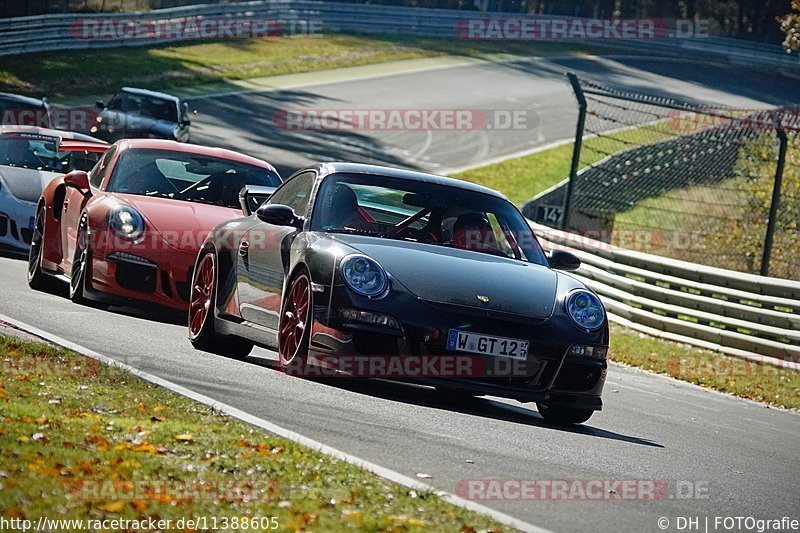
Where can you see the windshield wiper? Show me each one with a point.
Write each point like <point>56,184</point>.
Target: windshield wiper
<point>354,231</point>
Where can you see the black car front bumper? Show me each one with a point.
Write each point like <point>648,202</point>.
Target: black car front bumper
<point>551,374</point>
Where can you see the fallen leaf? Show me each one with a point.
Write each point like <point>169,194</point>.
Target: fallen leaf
<point>15,512</point>
<point>184,437</point>
<point>424,476</point>
<point>139,505</point>
<point>145,446</point>
<point>113,507</point>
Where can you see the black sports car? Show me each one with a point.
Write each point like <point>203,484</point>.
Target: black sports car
<point>371,271</point>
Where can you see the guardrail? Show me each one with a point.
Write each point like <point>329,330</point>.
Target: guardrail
<point>52,32</point>
<point>745,315</point>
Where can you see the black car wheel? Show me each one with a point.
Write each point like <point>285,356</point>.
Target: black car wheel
<point>80,264</point>
<point>36,278</point>
<point>293,328</point>
<point>557,414</point>
<point>202,334</point>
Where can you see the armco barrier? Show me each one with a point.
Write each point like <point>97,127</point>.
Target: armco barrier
<point>740,314</point>
<point>52,32</point>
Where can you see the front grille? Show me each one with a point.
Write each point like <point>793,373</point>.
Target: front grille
<point>27,235</point>
<point>3,225</point>
<point>14,232</point>
<point>577,378</point>
<point>134,272</point>
<point>369,343</point>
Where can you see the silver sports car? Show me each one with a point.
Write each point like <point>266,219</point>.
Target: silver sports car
<point>30,158</point>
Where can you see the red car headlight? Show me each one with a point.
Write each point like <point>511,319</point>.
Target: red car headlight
<point>126,222</point>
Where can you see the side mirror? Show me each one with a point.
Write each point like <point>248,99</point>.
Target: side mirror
<point>251,197</point>
<point>279,215</point>
<point>186,122</point>
<point>100,104</point>
<point>78,179</point>
<point>564,260</point>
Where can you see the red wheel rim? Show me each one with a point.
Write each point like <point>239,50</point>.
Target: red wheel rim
<point>294,318</point>
<point>202,290</point>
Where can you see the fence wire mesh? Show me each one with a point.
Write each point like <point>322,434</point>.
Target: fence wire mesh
<point>688,181</point>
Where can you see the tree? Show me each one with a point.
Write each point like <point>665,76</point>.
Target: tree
<point>790,25</point>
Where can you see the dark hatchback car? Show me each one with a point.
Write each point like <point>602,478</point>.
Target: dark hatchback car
<point>142,114</point>
<point>368,265</point>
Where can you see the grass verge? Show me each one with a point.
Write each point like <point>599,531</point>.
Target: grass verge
<point>83,440</point>
<point>756,381</point>
<point>168,67</point>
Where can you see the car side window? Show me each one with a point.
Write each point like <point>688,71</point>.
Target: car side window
<point>100,169</point>
<point>296,193</point>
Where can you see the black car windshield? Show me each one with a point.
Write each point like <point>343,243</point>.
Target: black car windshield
<point>40,152</point>
<point>145,105</point>
<point>186,176</point>
<point>394,208</point>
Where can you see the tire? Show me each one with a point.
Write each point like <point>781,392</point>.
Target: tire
<point>200,317</point>
<point>37,279</point>
<point>559,415</point>
<point>81,262</point>
<point>293,327</point>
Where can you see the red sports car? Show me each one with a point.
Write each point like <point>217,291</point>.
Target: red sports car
<point>128,232</point>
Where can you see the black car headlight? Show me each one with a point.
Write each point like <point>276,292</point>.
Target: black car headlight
<point>586,310</point>
<point>364,276</point>
<point>126,222</point>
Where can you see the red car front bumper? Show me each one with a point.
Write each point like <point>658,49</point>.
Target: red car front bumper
<point>147,271</point>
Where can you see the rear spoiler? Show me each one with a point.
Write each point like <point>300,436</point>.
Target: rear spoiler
<point>252,196</point>
<point>74,145</point>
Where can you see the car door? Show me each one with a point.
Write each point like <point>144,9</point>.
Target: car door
<point>75,201</point>
<point>263,255</point>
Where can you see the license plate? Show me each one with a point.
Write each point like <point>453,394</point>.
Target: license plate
<point>467,341</point>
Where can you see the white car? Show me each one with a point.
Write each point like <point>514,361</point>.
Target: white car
<point>30,158</point>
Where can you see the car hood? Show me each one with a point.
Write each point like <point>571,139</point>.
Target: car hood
<point>26,184</point>
<point>458,277</point>
<point>185,225</point>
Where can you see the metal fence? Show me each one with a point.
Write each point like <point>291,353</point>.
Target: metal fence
<point>716,186</point>
<point>745,315</point>
<point>39,33</point>
<point>25,8</point>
